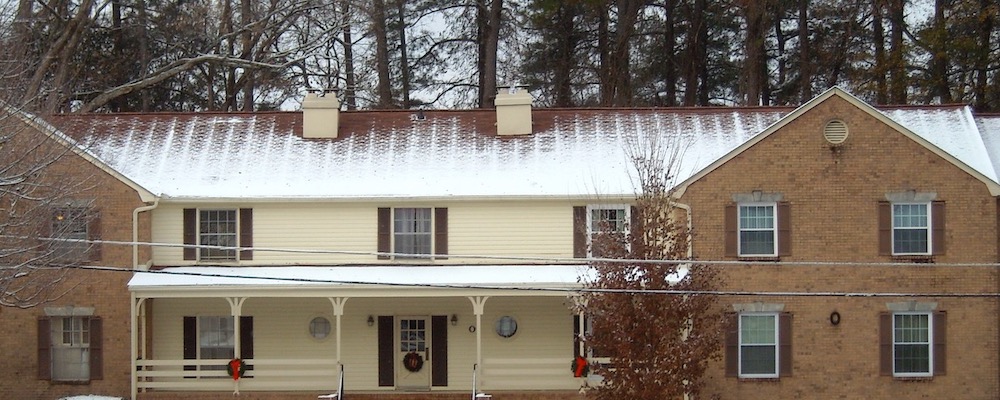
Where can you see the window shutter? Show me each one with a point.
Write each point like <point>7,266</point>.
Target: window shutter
<point>579,232</point>
<point>246,339</point>
<point>441,232</point>
<point>246,233</point>
<point>731,231</point>
<point>96,349</point>
<point>885,343</point>
<point>190,233</point>
<point>439,350</point>
<point>576,336</point>
<point>732,345</point>
<point>885,230</point>
<point>44,348</point>
<point>785,344</point>
<point>937,227</point>
<point>385,351</point>
<point>45,231</point>
<point>190,341</point>
<point>94,233</point>
<point>384,232</point>
<point>940,342</point>
<point>784,229</point>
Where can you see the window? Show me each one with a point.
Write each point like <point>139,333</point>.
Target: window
<point>319,328</point>
<point>911,344</point>
<point>506,326</point>
<point>416,231</point>
<point>757,230</point>
<point>214,338</point>
<point>758,345</point>
<point>69,347</point>
<point>589,351</point>
<point>229,228</point>
<point>607,220</point>
<point>71,227</point>
<point>759,342</point>
<point>910,229</point>
<point>411,230</point>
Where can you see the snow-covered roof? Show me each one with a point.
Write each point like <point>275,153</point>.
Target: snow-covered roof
<point>366,277</point>
<point>388,154</point>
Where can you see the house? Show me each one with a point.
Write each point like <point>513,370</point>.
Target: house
<point>430,254</point>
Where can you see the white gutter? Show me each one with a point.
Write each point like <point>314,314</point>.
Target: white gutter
<point>690,225</point>
<point>135,231</point>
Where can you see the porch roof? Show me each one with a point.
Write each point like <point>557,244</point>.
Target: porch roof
<point>360,281</point>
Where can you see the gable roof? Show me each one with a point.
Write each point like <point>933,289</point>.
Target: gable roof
<point>52,133</point>
<point>573,153</point>
<point>951,132</point>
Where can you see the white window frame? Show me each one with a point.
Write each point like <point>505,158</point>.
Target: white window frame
<point>740,229</point>
<point>775,344</point>
<point>929,343</point>
<point>72,345</point>
<point>927,228</point>
<point>202,330</point>
<point>235,234</point>
<point>591,208</point>
<point>430,231</point>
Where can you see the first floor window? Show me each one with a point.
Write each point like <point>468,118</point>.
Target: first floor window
<point>757,230</point>
<point>214,338</point>
<point>69,348</point>
<point>911,344</point>
<point>910,229</point>
<point>758,345</point>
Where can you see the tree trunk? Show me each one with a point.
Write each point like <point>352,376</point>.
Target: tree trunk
<point>404,60</point>
<point>805,56</point>
<point>754,66</point>
<point>987,10</point>
<point>384,90</point>
<point>696,53</point>
<point>897,64</point>
<point>603,56</point>
<point>669,66</point>
<point>246,17</point>
<point>881,63</point>
<point>939,55</point>
<point>565,53</point>
<point>350,96</point>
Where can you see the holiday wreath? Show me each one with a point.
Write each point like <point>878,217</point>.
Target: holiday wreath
<point>413,361</point>
<point>236,368</point>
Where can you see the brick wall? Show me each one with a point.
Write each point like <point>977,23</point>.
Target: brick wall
<point>833,195</point>
<point>106,292</point>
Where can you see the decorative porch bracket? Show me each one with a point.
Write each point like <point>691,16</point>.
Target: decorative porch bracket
<point>338,311</point>
<point>478,305</point>
<point>236,309</point>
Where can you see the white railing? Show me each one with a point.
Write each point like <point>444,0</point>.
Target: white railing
<point>261,374</point>
<point>528,373</point>
<point>475,385</point>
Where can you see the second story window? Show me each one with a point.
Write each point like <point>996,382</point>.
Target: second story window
<point>758,229</point>
<point>412,231</point>
<point>70,228</point>
<point>757,223</point>
<point>221,231</point>
<point>603,221</point>
<point>910,229</point>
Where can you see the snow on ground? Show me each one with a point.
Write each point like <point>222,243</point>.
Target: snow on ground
<point>91,397</point>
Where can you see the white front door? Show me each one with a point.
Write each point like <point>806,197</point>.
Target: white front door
<point>413,357</point>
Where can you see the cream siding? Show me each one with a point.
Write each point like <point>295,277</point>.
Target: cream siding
<point>536,228</point>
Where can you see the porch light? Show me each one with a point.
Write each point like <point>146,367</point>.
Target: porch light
<point>454,319</point>
<point>371,320</point>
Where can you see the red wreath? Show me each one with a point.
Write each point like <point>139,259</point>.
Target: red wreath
<point>236,368</point>
<point>413,362</point>
<point>580,367</point>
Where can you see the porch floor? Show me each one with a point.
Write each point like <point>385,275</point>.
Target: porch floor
<point>526,395</point>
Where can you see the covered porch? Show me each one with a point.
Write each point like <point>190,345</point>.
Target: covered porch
<point>379,329</point>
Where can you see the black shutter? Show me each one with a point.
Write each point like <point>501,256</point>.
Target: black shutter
<point>44,348</point>
<point>96,349</point>
<point>885,344</point>
<point>576,336</point>
<point>246,233</point>
<point>441,232</point>
<point>731,234</point>
<point>246,340</point>
<point>190,233</point>
<point>940,324</point>
<point>190,341</point>
<point>785,344</point>
<point>784,229</point>
<point>885,234</point>
<point>439,350</point>
<point>384,236</point>
<point>386,350</point>
<point>94,233</point>
<point>732,356</point>
<point>937,228</point>
<point>579,232</point>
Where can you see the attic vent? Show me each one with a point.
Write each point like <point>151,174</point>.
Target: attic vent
<point>835,132</point>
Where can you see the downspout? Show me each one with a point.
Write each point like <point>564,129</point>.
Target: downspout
<point>690,253</point>
<point>135,231</point>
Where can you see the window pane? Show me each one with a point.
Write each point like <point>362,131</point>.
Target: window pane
<point>757,360</point>
<point>909,240</point>
<point>71,349</point>
<point>70,223</point>
<point>216,337</point>
<point>757,329</point>
<point>757,233</point>
<point>912,358</point>
<point>412,230</point>
<point>757,242</point>
<point>217,228</point>
<point>607,219</point>
<point>910,228</point>
<point>911,343</point>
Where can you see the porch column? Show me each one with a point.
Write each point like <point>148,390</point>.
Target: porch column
<point>134,305</point>
<point>338,311</point>
<point>478,304</point>
<point>236,309</point>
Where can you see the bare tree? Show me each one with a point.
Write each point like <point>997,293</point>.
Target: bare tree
<point>659,342</point>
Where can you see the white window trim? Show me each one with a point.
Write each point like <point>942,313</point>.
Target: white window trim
<point>392,234</point>
<point>739,228</point>
<point>590,220</point>
<point>777,346</point>
<point>236,256</point>
<point>59,348</point>
<point>930,347</point>
<point>928,228</point>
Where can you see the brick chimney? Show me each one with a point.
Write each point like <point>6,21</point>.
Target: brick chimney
<point>320,114</point>
<point>513,111</point>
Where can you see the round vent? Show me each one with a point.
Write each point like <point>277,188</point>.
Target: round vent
<point>835,132</point>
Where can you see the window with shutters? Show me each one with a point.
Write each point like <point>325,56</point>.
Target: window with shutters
<point>412,232</point>
<point>218,234</point>
<point>913,343</point>
<point>608,221</point>
<point>70,349</point>
<point>758,352</point>
<point>911,229</point>
<point>758,234</point>
<point>70,230</point>
<point>214,338</point>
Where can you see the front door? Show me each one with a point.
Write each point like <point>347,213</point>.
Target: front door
<point>414,355</point>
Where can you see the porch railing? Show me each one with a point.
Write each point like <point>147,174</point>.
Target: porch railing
<point>261,374</point>
<point>528,373</point>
